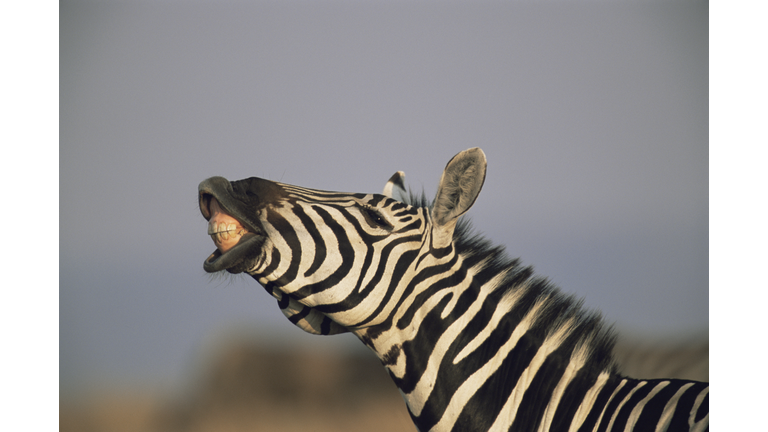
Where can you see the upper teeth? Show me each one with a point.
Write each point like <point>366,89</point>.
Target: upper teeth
<point>225,231</point>
<point>216,228</point>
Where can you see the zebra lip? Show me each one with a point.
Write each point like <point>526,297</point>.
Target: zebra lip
<point>249,245</point>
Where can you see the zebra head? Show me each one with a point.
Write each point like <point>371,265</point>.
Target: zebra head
<point>335,261</point>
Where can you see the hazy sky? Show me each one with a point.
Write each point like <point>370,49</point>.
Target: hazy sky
<point>593,116</point>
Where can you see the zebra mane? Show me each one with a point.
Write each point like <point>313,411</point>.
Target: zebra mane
<point>587,332</point>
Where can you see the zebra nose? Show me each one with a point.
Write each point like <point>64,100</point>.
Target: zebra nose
<point>257,191</point>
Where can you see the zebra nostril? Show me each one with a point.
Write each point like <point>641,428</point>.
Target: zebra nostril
<point>204,203</point>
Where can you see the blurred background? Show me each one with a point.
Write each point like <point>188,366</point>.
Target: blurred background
<point>593,116</point>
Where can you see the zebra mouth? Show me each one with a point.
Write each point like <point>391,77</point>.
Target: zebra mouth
<point>225,231</point>
<point>237,243</point>
<point>233,260</point>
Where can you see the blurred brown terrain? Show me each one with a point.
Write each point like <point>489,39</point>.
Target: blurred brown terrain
<point>246,387</point>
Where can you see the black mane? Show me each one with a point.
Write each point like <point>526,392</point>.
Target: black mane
<point>588,329</point>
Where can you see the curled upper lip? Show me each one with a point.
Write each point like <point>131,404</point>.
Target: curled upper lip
<point>219,189</point>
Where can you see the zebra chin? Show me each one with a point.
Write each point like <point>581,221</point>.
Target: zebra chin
<point>242,256</point>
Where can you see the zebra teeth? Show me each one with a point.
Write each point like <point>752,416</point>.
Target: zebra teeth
<point>226,240</point>
<point>215,228</point>
<point>226,234</point>
<point>218,228</point>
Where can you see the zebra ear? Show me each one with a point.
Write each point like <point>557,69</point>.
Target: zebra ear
<point>459,187</point>
<point>397,180</point>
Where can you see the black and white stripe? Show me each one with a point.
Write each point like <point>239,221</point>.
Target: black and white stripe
<point>473,340</point>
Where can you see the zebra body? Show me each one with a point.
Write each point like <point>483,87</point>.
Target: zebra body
<point>471,338</point>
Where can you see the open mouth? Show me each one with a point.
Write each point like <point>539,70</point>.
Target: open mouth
<point>236,242</point>
<point>225,230</point>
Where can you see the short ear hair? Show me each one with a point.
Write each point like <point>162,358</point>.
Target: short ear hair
<point>459,187</point>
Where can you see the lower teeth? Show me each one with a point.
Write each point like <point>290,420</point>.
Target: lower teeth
<point>225,240</point>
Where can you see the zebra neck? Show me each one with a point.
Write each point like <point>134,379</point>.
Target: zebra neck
<point>481,333</point>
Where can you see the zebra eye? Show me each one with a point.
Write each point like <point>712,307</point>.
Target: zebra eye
<point>375,219</point>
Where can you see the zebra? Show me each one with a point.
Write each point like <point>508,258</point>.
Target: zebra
<point>473,340</point>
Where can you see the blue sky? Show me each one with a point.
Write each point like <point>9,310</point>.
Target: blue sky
<point>593,116</point>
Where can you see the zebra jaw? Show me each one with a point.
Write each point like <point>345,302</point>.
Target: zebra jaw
<point>232,259</point>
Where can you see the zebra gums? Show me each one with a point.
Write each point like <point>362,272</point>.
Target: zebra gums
<point>471,338</point>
